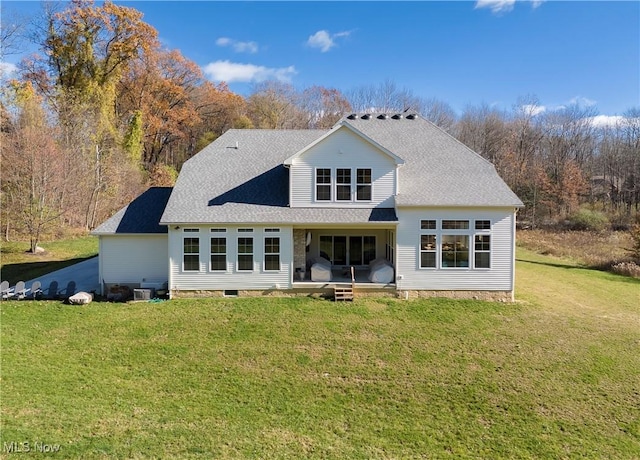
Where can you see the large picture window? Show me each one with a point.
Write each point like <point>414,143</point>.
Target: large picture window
<point>343,184</point>
<point>191,254</point>
<point>218,254</point>
<point>363,184</point>
<point>245,254</point>
<point>323,184</point>
<point>272,254</point>
<point>455,251</point>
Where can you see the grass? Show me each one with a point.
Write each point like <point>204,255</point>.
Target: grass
<point>551,376</point>
<point>599,250</point>
<point>17,264</point>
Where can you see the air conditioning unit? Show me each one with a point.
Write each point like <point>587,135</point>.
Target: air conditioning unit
<point>143,294</point>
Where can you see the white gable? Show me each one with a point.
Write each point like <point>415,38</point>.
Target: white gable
<point>343,148</point>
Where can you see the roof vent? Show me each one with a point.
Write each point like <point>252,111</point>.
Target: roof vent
<point>383,116</point>
<point>366,116</point>
<point>412,116</point>
<point>397,116</point>
<point>353,116</point>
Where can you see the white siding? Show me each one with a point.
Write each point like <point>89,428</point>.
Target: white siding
<point>498,278</point>
<point>231,279</point>
<point>128,259</point>
<point>343,149</point>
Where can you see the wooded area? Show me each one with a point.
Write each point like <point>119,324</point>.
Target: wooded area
<point>105,112</point>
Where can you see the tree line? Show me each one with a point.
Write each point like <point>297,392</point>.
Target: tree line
<point>104,111</point>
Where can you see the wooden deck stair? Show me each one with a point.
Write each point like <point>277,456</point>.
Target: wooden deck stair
<point>345,292</point>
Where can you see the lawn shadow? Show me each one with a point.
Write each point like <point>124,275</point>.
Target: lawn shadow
<point>31,270</point>
<point>552,264</point>
<point>619,277</point>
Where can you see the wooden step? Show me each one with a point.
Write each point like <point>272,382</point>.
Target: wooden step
<point>342,293</point>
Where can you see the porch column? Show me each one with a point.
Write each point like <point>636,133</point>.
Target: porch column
<point>299,248</point>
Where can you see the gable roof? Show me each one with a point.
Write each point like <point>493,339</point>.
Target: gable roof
<point>241,178</point>
<point>141,216</point>
<point>439,170</point>
<point>382,148</point>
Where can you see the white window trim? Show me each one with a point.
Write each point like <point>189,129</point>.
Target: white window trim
<point>482,233</point>
<point>197,237</point>
<point>265,254</point>
<point>226,253</point>
<point>252,254</point>
<point>355,191</point>
<point>330,185</point>
<point>440,233</point>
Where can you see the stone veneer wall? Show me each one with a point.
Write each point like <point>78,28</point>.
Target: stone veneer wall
<point>299,248</point>
<point>492,296</point>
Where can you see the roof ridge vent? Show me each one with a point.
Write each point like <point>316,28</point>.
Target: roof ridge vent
<point>366,116</point>
<point>397,116</point>
<point>383,116</point>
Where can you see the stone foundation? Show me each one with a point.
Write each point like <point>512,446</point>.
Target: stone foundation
<point>492,296</point>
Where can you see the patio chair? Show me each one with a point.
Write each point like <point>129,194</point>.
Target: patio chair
<point>36,289</point>
<point>69,290</point>
<point>52,290</point>
<point>5,290</point>
<point>21,290</point>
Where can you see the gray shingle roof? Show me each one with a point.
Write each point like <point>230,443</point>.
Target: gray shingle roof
<point>142,215</point>
<point>439,170</point>
<point>240,177</point>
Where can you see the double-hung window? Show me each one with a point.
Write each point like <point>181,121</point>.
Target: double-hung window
<point>245,254</point>
<point>363,184</point>
<point>323,184</point>
<point>482,244</point>
<point>272,254</point>
<point>218,254</point>
<point>191,251</point>
<point>428,244</point>
<point>343,184</point>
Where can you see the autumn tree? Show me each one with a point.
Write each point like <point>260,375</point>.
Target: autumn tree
<point>32,180</point>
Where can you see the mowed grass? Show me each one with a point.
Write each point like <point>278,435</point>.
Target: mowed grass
<point>555,375</point>
<point>16,264</point>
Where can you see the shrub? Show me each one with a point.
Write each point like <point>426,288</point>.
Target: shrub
<point>586,219</point>
<point>627,269</point>
<point>635,242</point>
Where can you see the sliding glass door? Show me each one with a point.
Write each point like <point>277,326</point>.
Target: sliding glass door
<point>352,250</point>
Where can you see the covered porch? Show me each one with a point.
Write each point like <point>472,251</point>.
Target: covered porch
<point>324,257</point>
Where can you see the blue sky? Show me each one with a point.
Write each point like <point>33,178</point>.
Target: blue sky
<point>461,52</point>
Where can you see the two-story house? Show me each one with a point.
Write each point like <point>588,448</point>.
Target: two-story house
<point>254,211</point>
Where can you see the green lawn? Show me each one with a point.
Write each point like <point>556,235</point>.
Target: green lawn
<point>554,375</point>
<point>17,264</point>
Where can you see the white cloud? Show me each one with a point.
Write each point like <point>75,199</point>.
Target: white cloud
<point>6,69</point>
<point>533,110</point>
<point>496,6</point>
<point>602,121</point>
<point>324,40</point>
<point>582,101</point>
<point>504,6</point>
<point>235,72</point>
<point>238,46</point>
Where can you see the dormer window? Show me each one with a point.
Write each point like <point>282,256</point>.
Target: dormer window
<point>343,184</point>
<point>363,186</point>
<point>323,184</point>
